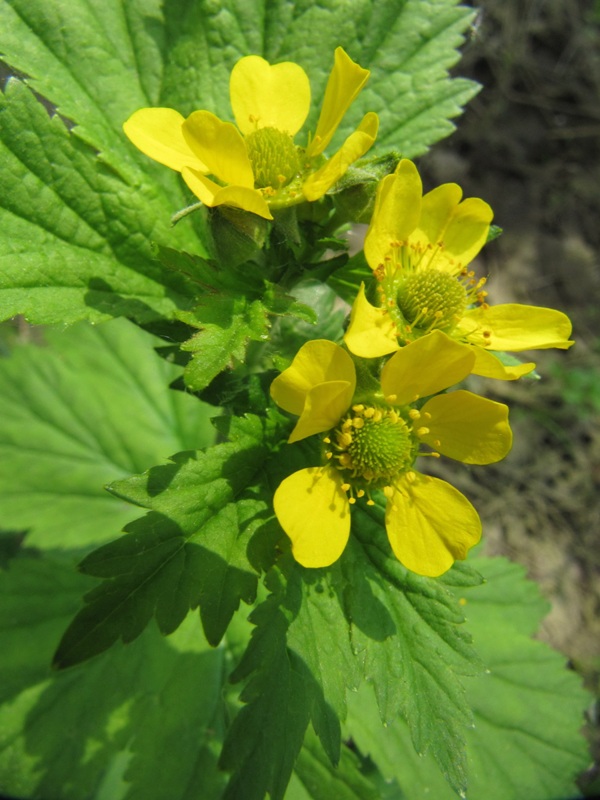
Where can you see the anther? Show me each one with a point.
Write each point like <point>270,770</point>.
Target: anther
<point>422,431</point>
<point>414,414</point>
<point>345,487</point>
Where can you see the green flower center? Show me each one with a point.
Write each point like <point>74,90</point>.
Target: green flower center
<point>430,298</point>
<point>273,156</point>
<point>374,445</point>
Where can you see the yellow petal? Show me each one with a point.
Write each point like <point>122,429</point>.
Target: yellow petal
<point>158,133</point>
<point>430,525</point>
<point>265,96</point>
<point>314,511</point>
<point>489,366</point>
<point>346,79</point>
<point>355,146</point>
<point>317,361</point>
<point>324,406</point>
<point>211,194</point>
<point>371,332</point>
<point>220,146</point>
<point>461,227</point>
<point>396,214</point>
<point>467,427</point>
<point>425,367</point>
<point>516,327</point>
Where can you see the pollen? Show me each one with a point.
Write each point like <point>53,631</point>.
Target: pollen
<point>380,447</point>
<point>432,299</point>
<point>274,158</point>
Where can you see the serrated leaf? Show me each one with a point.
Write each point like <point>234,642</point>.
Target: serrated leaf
<point>80,205</point>
<point>227,324</point>
<point>528,709</point>
<point>238,307</point>
<point>89,406</point>
<point>299,664</point>
<point>77,231</point>
<point>107,730</point>
<point>409,53</point>
<point>190,550</point>
<point>409,631</point>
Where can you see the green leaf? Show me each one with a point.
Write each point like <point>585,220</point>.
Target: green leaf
<point>189,550</point>
<point>409,631</point>
<point>347,280</point>
<point>528,709</point>
<point>77,230</point>
<point>299,664</point>
<point>227,324</point>
<point>289,334</point>
<point>315,779</point>
<point>80,206</point>
<point>141,723</point>
<point>88,407</point>
<point>238,307</point>
<point>409,51</point>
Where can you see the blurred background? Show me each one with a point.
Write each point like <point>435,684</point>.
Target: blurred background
<point>529,144</point>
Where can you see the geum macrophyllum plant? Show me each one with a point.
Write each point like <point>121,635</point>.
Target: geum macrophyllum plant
<point>256,166</point>
<point>419,248</point>
<point>374,434</point>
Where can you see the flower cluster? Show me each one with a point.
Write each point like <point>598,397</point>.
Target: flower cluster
<point>386,397</point>
<point>423,325</point>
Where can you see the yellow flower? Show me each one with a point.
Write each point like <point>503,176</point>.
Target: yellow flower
<point>419,249</point>
<point>256,166</point>
<point>372,441</point>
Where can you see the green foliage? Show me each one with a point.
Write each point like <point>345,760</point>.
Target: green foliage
<point>64,434</point>
<point>579,387</point>
<point>272,700</point>
<point>77,230</point>
<point>317,634</point>
<point>118,713</point>
<point>80,206</point>
<point>409,632</point>
<point>235,306</point>
<point>190,550</point>
<point>527,707</point>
